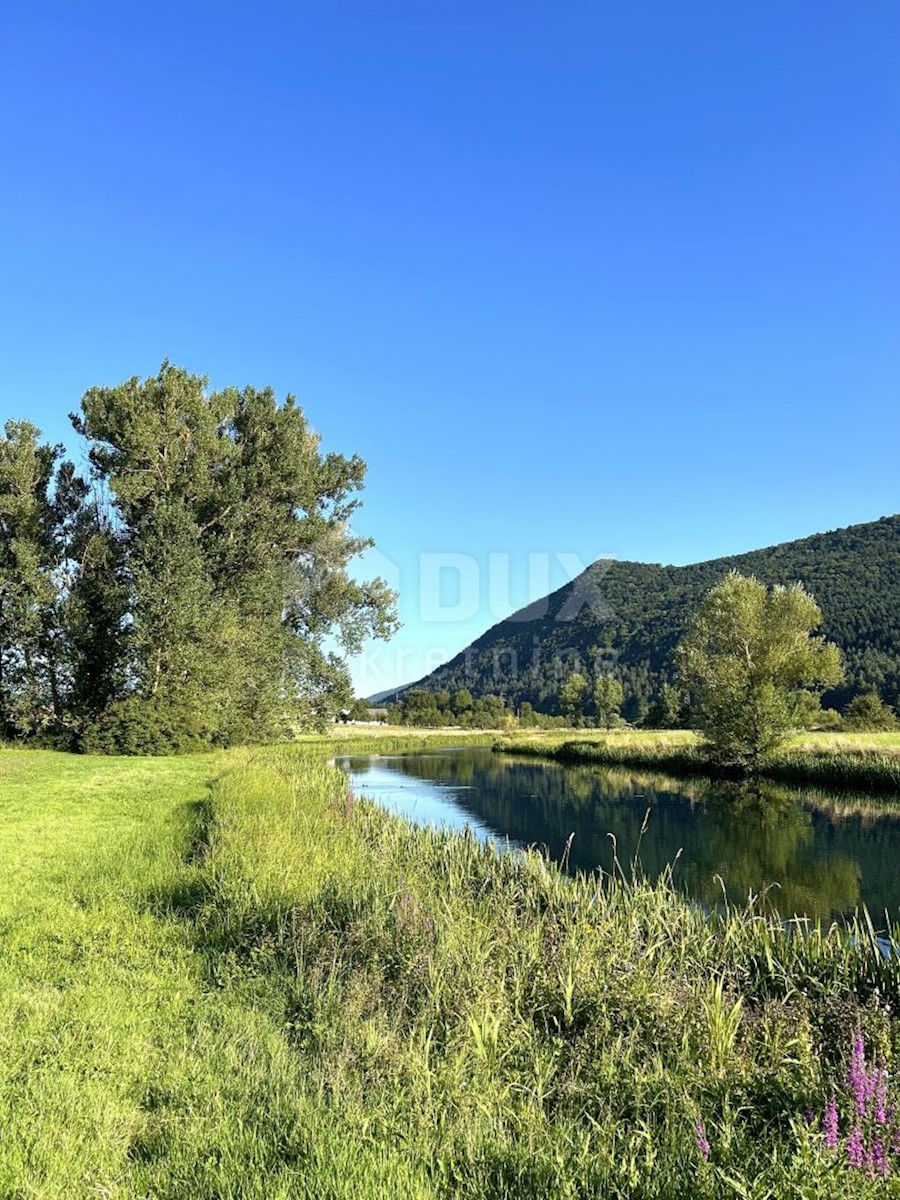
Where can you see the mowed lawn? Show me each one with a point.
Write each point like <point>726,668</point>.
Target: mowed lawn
<point>125,1070</point>
<point>100,993</point>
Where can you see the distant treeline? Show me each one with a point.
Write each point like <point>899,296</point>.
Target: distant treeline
<point>436,709</point>
<point>191,589</point>
<point>671,709</point>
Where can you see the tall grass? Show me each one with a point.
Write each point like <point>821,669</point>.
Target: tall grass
<point>519,1033</point>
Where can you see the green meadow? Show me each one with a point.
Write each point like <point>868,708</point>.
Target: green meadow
<point>224,976</point>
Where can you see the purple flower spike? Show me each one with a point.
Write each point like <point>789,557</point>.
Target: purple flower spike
<point>830,1124</point>
<point>702,1143</point>
<point>858,1076</point>
<point>855,1154</point>
<point>880,1163</point>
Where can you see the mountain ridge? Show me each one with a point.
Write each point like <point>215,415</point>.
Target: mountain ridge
<point>625,618</point>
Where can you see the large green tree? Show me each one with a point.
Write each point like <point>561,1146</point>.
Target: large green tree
<point>233,530</point>
<point>748,652</point>
<point>608,697</point>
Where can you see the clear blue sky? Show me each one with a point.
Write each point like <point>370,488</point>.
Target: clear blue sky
<point>613,278</point>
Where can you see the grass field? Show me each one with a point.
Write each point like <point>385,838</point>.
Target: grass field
<point>125,1070</point>
<point>224,977</point>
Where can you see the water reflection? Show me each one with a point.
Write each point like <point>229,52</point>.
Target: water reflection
<point>808,853</point>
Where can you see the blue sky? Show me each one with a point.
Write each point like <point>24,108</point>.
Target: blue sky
<point>576,279</point>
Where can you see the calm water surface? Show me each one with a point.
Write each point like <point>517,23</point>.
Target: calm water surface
<point>818,855</point>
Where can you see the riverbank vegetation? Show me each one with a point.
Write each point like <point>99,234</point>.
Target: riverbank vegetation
<point>751,660</point>
<point>226,976</point>
<point>868,762</point>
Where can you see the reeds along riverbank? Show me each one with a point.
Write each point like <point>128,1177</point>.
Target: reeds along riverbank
<point>865,769</point>
<point>523,1034</point>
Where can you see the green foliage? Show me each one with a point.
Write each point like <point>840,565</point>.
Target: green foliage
<point>869,713</point>
<point>572,694</point>
<point>147,725</point>
<point>421,707</point>
<point>608,697</point>
<point>667,710</point>
<point>806,710</point>
<point>748,653</point>
<point>35,526</point>
<point>99,633</point>
<point>235,531</point>
<point>204,573</point>
<point>829,719</point>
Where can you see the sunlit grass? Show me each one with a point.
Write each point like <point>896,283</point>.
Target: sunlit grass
<point>124,1070</point>
<point>226,977</point>
<point>867,761</point>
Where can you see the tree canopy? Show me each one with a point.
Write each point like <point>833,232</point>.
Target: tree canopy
<point>748,652</point>
<point>195,586</point>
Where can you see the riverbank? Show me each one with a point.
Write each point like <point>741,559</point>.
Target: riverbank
<point>865,762</point>
<point>226,976</point>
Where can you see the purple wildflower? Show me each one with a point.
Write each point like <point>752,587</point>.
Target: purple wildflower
<point>879,1164</point>
<point>810,1118</point>
<point>858,1076</point>
<point>855,1148</point>
<point>830,1124</point>
<point>702,1142</point>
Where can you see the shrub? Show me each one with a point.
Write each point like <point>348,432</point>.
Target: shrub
<point>868,713</point>
<point>146,726</point>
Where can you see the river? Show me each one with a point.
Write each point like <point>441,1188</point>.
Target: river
<point>806,852</point>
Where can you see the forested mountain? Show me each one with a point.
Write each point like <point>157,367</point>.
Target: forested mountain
<point>625,619</point>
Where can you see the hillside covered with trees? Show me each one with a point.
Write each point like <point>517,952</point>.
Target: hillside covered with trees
<point>624,620</point>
